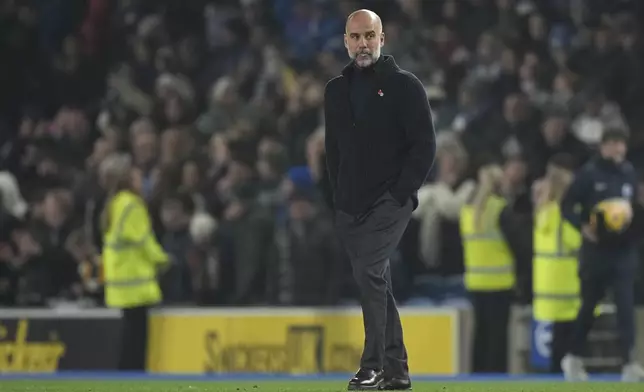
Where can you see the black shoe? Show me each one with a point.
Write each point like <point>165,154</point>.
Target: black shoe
<point>396,384</point>
<point>366,380</point>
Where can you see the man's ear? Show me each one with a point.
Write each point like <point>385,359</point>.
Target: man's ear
<point>346,42</point>
<point>382,39</point>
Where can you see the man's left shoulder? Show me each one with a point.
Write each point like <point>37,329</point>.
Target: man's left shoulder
<point>629,171</point>
<point>404,76</point>
<point>627,168</point>
<point>407,81</point>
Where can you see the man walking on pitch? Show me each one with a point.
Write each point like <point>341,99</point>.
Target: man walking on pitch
<point>380,146</point>
<point>607,259</point>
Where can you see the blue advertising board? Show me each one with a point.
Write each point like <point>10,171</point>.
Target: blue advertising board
<point>540,345</point>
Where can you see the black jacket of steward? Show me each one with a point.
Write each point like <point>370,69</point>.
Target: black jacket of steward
<point>388,147</point>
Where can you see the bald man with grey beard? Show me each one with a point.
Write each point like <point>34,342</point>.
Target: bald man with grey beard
<point>380,146</point>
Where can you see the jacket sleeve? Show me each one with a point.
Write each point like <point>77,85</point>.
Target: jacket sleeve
<point>137,228</point>
<point>517,232</point>
<point>635,230</point>
<point>575,196</point>
<point>332,152</point>
<point>416,117</point>
<point>518,236</point>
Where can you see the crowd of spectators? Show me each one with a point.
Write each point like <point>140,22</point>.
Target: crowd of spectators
<point>219,105</point>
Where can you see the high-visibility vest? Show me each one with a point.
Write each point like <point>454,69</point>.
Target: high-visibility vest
<point>489,264</point>
<point>131,254</point>
<point>555,281</point>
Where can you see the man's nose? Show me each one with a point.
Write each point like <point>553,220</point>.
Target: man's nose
<point>362,43</point>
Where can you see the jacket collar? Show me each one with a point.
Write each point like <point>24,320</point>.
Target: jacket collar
<point>384,64</point>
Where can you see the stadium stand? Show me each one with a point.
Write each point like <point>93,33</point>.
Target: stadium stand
<point>219,104</point>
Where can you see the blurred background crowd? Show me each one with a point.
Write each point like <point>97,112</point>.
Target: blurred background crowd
<point>219,105</point>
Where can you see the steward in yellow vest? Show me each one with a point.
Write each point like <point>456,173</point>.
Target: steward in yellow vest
<point>555,268</point>
<point>489,272</point>
<point>489,264</point>
<point>131,254</point>
<point>555,276</point>
<point>132,258</point>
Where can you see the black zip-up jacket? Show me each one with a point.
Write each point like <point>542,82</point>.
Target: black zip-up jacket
<point>388,146</point>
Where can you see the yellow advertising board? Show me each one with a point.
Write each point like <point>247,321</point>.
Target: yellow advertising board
<point>298,341</point>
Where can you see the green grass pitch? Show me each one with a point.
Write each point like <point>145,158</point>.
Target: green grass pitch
<point>301,386</point>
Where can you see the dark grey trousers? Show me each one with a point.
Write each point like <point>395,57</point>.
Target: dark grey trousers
<point>370,239</point>
<point>621,279</point>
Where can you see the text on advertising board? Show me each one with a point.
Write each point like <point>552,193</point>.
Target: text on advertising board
<point>296,344</point>
<point>21,355</point>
